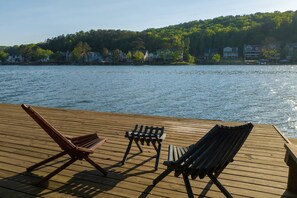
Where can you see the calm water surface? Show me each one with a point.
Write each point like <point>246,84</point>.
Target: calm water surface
<point>260,94</point>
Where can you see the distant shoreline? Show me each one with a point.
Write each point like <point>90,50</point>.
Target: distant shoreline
<point>161,64</point>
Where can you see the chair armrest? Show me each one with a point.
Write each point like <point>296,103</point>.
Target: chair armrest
<point>86,150</point>
<point>93,148</point>
<point>100,143</point>
<point>68,137</point>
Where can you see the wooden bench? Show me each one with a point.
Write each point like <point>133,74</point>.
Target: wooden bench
<point>145,135</point>
<point>291,161</point>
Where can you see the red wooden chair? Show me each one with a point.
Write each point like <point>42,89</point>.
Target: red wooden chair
<point>78,148</point>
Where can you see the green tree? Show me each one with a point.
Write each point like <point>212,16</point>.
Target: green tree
<point>191,59</point>
<point>216,58</point>
<point>116,56</point>
<point>268,53</point>
<point>176,56</point>
<point>58,57</point>
<point>138,56</point>
<point>14,50</point>
<point>3,56</point>
<point>138,44</point>
<point>39,54</point>
<point>129,56</point>
<point>105,52</point>
<point>80,51</point>
<point>27,51</point>
<point>270,49</point>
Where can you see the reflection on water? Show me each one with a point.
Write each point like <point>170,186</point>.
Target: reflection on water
<point>261,94</point>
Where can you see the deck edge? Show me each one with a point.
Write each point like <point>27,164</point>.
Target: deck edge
<point>282,134</point>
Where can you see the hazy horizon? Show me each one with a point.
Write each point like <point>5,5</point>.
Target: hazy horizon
<point>33,21</point>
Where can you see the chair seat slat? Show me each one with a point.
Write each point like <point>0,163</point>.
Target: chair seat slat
<point>170,153</point>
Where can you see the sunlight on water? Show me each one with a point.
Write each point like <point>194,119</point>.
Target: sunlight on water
<point>260,94</point>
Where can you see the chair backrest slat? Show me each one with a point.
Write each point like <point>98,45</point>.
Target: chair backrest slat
<point>49,129</point>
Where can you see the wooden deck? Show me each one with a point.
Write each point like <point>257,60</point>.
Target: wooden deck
<point>259,169</point>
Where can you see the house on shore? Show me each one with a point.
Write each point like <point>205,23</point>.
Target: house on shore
<point>291,51</point>
<point>251,53</point>
<point>230,52</point>
<point>93,57</point>
<point>209,53</point>
<point>15,59</point>
<point>44,60</point>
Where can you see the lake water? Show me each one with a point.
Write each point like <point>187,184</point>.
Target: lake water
<point>259,94</point>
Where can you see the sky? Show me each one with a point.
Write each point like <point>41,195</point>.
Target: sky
<point>33,21</point>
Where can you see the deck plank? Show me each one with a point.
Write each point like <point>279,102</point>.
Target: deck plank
<point>259,169</point>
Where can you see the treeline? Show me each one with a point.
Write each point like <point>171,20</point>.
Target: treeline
<point>217,33</point>
<point>190,38</point>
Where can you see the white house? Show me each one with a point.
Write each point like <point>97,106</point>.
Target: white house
<point>291,49</point>
<point>230,52</point>
<point>251,52</point>
<point>93,57</point>
<point>15,59</point>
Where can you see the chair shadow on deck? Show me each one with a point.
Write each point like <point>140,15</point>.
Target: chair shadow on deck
<point>22,183</point>
<point>90,183</point>
<point>207,187</point>
<point>288,194</point>
<point>87,183</point>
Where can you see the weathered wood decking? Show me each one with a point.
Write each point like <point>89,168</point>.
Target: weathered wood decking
<point>259,169</point>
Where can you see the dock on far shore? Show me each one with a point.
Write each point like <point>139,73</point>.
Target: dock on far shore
<point>258,170</point>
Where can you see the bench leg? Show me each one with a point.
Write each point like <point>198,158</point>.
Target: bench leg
<point>219,185</point>
<point>127,152</point>
<point>56,171</point>
<point>158,156</point>
<point>46,161</point>
<point>188,186</point>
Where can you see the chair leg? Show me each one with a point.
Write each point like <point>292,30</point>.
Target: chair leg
<point>162,175</point>
<point>46,161</point>
<point>96,166</point>
<point>138,145</point>
<point>158,156</point>
<point>154,144</point>
<point>56,171</point>
<point>188,186</point>
<point>127,152</point>
<point>220,186</point>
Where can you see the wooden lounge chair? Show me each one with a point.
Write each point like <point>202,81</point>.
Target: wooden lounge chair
<point>77,148</point>
<point>209,156</point>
